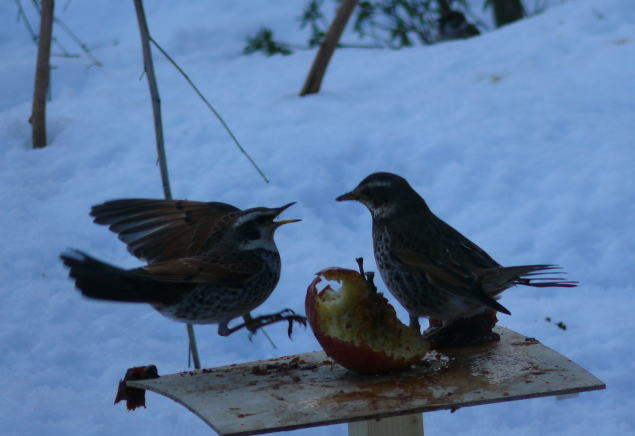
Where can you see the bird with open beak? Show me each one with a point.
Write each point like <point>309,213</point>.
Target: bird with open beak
<point>208,263</point>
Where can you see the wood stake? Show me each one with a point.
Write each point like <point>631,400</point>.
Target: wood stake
<point>42,75</point>
<point>332,38</point>
<point>406,425</point>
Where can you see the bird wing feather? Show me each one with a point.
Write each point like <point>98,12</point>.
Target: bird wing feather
<point>230,269</point>
<point>449,277</point>
<point>159,230</point>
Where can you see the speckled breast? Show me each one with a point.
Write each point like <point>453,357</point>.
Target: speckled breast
<point>211,304</point>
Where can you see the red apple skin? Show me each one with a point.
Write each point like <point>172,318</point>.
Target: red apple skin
<point>360,359</point>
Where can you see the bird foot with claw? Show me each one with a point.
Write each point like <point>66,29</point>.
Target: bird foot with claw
<point>463,332</point>
<point>254,324</point>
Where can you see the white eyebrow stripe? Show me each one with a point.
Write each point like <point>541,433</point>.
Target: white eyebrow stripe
<point>244,218</point>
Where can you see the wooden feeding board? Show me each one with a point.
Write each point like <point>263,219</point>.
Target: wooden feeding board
<point>308,389</point>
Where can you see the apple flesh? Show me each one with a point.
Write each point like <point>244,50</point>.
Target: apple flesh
<point>357,327</point>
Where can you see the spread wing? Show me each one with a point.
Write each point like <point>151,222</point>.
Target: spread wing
<point>159,230</point>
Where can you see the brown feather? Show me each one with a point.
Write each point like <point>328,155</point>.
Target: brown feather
<point>226,269</point>
<point>450,278</point>
<point>158,230</point>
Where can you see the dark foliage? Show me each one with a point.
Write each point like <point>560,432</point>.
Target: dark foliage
<point>559,324</point>
<point>506,11</point>
<point>387,23</point>
<point>263,41</point>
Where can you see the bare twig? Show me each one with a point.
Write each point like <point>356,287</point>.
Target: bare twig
<point>60,23</point>
<point>79,42</point>
<point>193,347</point>
<point>64,55</point>
<point>154,94</point>
<point>65,52</point>
<point>42,75</point>
<point>269,338</point>
<point>339,45</point>
<point>158,130</point>
<point>209,105</point>
<point>38,7</point>
<point>27,23</point>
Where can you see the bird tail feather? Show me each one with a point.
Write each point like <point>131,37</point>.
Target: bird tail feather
<point>538,276</point>
<point>99,280</point>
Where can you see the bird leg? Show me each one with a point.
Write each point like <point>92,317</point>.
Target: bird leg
<point>434,324</point>
<point>284,315</point>
<point>254,324</point>
<point>462,332</point>
<point>248,323</point>
<point>414,323</point>
<point>248,319</point>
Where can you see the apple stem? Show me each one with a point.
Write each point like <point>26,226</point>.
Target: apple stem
<point>360,264</point>
<point>368,276</point>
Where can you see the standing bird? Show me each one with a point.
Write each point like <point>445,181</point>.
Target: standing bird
<point>431,268</point>
<point>208,263</point>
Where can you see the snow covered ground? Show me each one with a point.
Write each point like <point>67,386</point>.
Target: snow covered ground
<point>522,138</point>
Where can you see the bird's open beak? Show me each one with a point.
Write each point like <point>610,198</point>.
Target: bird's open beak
<point>347,197</point>
<point>283,222</point>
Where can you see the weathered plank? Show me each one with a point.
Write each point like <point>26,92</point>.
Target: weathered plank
<point>310,390</point>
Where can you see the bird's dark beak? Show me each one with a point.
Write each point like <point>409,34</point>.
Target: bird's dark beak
<point>349,196</point>
<point>286,206</point>
<point>282,222</point>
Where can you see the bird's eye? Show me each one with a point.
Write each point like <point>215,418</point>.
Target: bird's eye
<point>250,231</point>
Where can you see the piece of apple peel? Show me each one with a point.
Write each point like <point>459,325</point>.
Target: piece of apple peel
<point>357,327</point>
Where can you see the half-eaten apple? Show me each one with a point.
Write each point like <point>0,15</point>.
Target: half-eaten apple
<point>357,327</point>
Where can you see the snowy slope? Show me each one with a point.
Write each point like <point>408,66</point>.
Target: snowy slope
<point>521,138</point>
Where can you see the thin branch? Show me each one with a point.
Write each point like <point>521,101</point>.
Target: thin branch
<point>193,347</point>
<point>27,23</point>
<point>148,67</point>
<point>339,45</point>
<point>208,104</point>
<point>158,130</point>
<point>65,53</point>
<point>79,42</point>
<point>345,45</point>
